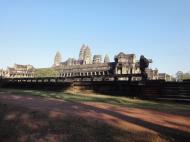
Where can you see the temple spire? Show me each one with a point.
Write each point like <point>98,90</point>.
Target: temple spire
<point>58,59</point>
<point>106,59</point>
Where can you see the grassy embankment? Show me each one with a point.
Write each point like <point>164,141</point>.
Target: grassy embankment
<point>136,103</point>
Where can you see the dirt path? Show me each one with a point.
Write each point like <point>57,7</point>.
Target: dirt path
<point>122,117</point>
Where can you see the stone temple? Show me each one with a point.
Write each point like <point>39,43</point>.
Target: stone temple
<point>88,65</point>
<point>85,56</point>
<point>18,71</point>
<point>85,65</point>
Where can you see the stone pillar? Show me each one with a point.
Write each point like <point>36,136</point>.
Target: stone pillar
<point>103,73</point>
<point>119,71</point>
<point>107,72</point>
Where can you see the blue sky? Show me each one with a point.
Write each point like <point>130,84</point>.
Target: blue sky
<point>31,31</point>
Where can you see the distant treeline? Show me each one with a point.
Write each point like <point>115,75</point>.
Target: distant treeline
<point>182,76</point>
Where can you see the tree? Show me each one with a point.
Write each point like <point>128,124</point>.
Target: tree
<point>46,72</point>
<point>179,76</point>
<point>186,75</point>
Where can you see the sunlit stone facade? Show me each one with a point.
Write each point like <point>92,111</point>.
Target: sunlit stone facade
<point>58,59</point>
<point>2,73</point>
<point>85,66</point>
<point>97,59</point>
<point>20,71</point>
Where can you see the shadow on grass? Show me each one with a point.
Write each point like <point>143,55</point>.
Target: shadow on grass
<point>171,133</point>
<point>34,125</point>
<point>173,108</point>
<point>18,124</point>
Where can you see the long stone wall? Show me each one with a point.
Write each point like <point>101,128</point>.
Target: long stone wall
<point>159,90</point>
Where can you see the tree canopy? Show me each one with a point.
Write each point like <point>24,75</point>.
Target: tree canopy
<point>46,72</point>
<point>182,76</point>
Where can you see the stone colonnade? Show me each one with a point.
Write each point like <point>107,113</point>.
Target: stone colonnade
<point>95,73</point>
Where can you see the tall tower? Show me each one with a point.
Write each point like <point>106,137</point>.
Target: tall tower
<point>87,56</point>
<point>81,54</point>
<point>106,59</point>
<point>58,59</point>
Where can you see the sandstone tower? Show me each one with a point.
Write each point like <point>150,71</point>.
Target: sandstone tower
<point>58,59</point>
<point>106,59</point>
<point>85,55</point>
<point>81,54</point>
<point>97,59</point>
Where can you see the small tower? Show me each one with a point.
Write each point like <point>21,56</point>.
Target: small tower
<point>97,59</point>
<point>58,59</point>
<point>106,59</point>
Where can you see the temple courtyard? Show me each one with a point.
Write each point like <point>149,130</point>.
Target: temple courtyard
<point>41,116</point>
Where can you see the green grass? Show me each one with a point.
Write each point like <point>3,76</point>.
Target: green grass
<point>122,101</point>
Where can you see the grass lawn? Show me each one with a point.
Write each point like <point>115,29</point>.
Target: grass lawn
<point>114,100</point>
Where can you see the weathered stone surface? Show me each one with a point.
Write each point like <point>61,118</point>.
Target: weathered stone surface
<point>21,71</point>
<point>97,59</point>
<point>58,59</point>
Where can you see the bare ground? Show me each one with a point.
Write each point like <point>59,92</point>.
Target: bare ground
<point>120,123</point>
